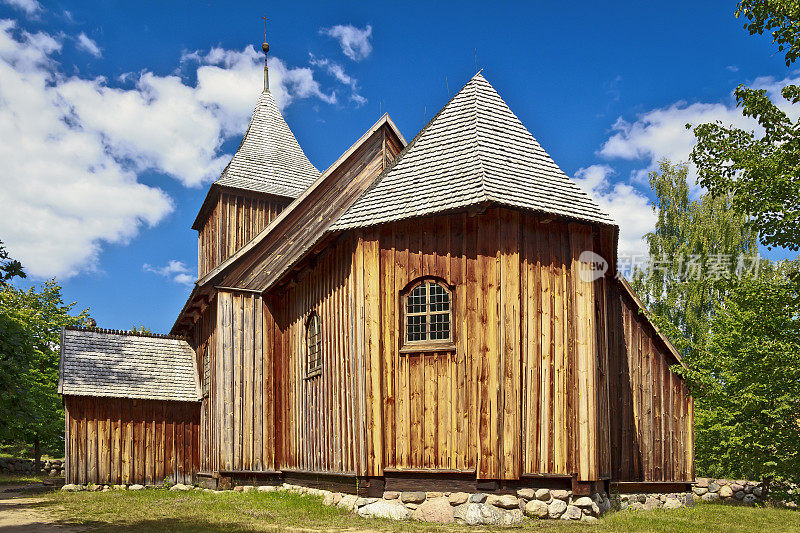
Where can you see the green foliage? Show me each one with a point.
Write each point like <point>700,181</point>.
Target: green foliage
<point>30,323</point>
<point>779,18</point>
<point>141,329</point>
<point>760,174</point>
<point>746,382</point>
<point>9,268</point>
<point>688,231</point>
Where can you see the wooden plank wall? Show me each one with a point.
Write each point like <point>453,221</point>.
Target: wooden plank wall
<point>321,425</point>
<point>125,441</point>
<point>204,341</point>
<point>511,398</point>
<point>231,223</point>
<point>652,412</point>
<point>238,432</point>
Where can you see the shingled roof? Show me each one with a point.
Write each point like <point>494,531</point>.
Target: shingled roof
<point>123,365</point>
<point>269,159</point>
<point>474,151</point>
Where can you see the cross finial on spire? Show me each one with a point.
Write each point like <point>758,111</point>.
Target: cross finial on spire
<point>265,48</point>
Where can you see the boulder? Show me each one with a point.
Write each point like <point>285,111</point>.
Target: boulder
<point>412,506</point>
<point>758,491</point>
<point>556,508</point>
<point>361,502</point>
<point>178,487</point>
<point>737,487</point>
<point>543,494</point>
<point>713,487</point>
<point>70,487</point>
<point>337,497</point>
<point>431,495</point>
<point>505,501</point>
<point>710,497</point>
<point>725,491</point>
<point>328,499</point>
<point>651,503</point>
<point>672,503</point>
<point>458,498</point>
<point>391,509</point>
<point>468,513</point>
<point>636,506</point>
<point>478,498</point>
<point>436,510</point>
<point>572,513</point>
<point>702,482</point>
<point>536,509</point>
<point>266,488</point>
<point>413,497</point>
<point>391,495</point>
<point>347,502</point>
<point>700,490</point>
<point>560,494</point>
<point>583,501</point>
<point>136,486</point>
<point>739,495</point>
<point>512,517</point>
<point>749,499</point>
<point>588,518</point>
<point>526,494</point>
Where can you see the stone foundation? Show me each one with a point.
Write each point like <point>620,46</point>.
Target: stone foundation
<point>14,466</point>
<point>650,501</point>
<point>739,491</point>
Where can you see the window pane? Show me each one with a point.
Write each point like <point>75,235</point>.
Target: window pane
<point>416,300</point>
<point>440,326</point>
<point>313,348</point>
<point>439,298</point>
<point>415,325</point>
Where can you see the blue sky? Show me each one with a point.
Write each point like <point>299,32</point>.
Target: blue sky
<point>116,116</point>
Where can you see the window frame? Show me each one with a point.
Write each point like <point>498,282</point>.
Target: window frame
<point>316,370</point>
<point>426,345</point>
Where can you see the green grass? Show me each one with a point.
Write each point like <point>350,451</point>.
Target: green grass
<point>19,479</point>
<point>161,510</point>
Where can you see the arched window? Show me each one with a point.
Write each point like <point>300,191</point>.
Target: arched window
<point>428,313</point>
<point>313,345</point>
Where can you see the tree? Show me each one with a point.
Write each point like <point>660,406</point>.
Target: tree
<point>761,173</point>
<point>141,329</point>
<point>689,234</point>
<point>30,324</point>
<point>746,382</point>
<point>780,18</point>
<point>9,268</point>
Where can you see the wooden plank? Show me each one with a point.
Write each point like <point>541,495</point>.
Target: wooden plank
<point>510,342</point>
<point>247,382</point>
<point>373,351</point>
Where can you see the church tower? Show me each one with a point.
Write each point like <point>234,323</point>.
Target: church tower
<point>267,172</point>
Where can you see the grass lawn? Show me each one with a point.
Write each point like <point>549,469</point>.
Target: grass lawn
<point>19,479</point>
<point>161,510</point>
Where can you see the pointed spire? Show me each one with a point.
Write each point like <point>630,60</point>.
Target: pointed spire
<point>265,48</point>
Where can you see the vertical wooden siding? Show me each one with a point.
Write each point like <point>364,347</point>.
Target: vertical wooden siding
<point>321,426</point>
<point>124,441</point>
<point>652,413</point>
<point>238,430</point>
<point>519,392</point>
<point>231,223</point>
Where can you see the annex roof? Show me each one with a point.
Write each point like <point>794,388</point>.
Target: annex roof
<point>269,158</point>
<point>97,362</point>
<point>475,150</point>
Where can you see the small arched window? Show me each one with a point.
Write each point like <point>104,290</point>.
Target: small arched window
<point>428,313</point>
<point>313,346</point>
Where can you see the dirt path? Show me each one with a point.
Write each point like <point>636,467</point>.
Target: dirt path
<point>20,511</point>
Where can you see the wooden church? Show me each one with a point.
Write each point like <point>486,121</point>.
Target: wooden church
<point>441,313</point>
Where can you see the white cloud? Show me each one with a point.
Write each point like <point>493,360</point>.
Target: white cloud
<point>626,205</point>
<point>174,270</point>
<point>87,44</point>
<point>72,147</point>
<point>662,134</point>
<point>355,42</point>
<point>29,7</point>
<point>338,72</point>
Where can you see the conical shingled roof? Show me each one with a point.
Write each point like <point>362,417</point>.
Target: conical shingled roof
<point>269,159</point>
<point>474,150</point>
